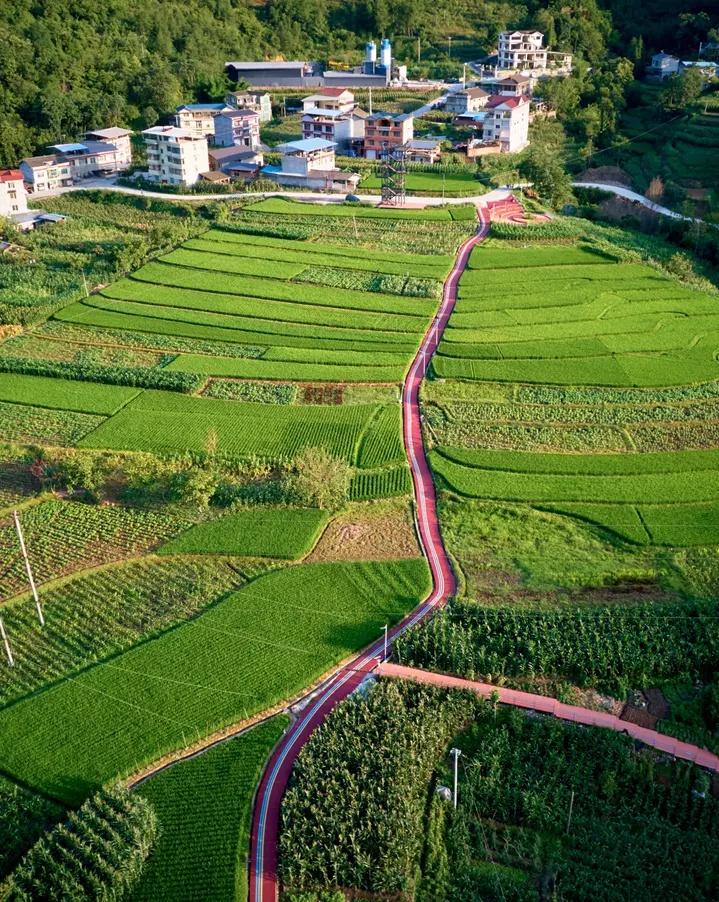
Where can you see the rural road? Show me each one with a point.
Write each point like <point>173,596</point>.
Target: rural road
<point>266,814</point>
<point>661,741</point>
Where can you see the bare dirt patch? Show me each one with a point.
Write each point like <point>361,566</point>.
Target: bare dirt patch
<point>616,208</point>
<point>609,175</point>
<point>369,532</point>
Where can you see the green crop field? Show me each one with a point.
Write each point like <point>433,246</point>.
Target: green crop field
<point>451,184</point>
<point>294,208</point>
<point>169,422</point>
<point>260,645</point>
<point>580,318</point>
<point>256,532</point>
<point>205,839</point>
<point>61,394</point>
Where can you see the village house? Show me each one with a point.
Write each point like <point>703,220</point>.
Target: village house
<point>199,118</point>
<point>223,158</point>
<point>424,150</point>
<point>175,156</point>
<point>45,173</point>
<point>257,101</point>
<point>120,140</point>
<point>310,164</point>
<point>13,197</point>
<point>237,128</point>
<point>386,131</point>
<point>468,101</point>
<point>513,85</point>
<point>507,121</point>
<point>90,159</point>
<point>663,65</point>
<point>333,114</point>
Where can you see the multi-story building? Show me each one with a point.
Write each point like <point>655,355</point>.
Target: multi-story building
<point>46,173</point>
<point>237,128</point>
<point>90,158</point>
<point>332,114</point>
<point>513,86</point>
<point>13,197</point>
<point>120,140</point>
<point>471,100</point>
<point>199,118</point>
<point>521,50</point>
<point>257,101</point>
<point>507,121</point>
<point>175,156</point>
<point>386,131</point>
<point>311,164</point>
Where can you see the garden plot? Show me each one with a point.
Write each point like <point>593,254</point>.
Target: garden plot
<point>23,423</point>
<point>249,651</point>
<point>63,536</point>
<point>361,211</point>
<point>167,422</point>
<point>62,394</point>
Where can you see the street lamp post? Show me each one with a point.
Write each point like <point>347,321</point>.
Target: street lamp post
<point>455,753</point>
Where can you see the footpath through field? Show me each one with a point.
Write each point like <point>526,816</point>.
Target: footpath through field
<point>265,820</point>
<point>546,705</point>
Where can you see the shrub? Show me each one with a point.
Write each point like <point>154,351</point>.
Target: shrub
<point>320,479</point>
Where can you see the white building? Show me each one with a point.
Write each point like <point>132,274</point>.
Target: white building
<point>310,164</point>
<point>471,100</point>
<point>333,114</point>
<point>46,173</point>
<point>507,121</point>
<point>663,65</point>
<point>120,140</point>
<point>521,50</point>
<point>13,197</point>
<point>175,156</point>
<point>88,159</point>
<point>257,101</point>
<point>199,118</point>
<point>237,128</point>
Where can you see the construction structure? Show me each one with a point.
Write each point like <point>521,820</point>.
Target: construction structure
<point>394,175</point>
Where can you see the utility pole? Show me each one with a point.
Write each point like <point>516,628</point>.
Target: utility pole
<point>370,101</point>
<point>6,644</point>
<point>385,642</point>
<point>455,753</point>
<point>464,76</point>
<point>354,222</point>
<point>571,805</point>
<point>28,568</point>
<point>84,282</point>
<point>418,50</point>
<point>449,47</point>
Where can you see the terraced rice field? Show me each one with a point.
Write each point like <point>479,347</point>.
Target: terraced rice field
<point>586,321</point>
<point>262,644</point>
<point>349,316</point>
<point>577,393</point>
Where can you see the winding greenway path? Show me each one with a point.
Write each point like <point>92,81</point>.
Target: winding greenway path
<point>265,822</point>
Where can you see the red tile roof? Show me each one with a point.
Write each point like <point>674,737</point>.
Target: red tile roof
<point>508,100</point>
<point>332,92</point>
<point>11,175</point>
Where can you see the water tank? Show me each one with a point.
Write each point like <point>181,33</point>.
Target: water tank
<point>371,52</point>
<point>385,53</point>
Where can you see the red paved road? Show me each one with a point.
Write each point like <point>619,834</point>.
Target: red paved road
<point>565,712</point>
<point>265,819</point>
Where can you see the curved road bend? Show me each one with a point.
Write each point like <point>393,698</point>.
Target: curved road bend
<point>266,814</point>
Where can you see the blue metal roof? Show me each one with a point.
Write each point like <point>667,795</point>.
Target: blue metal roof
<point>201,106</point>
<point>307,144</point>
<point>68,148</point>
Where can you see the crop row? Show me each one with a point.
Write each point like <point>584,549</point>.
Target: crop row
<point>293,208</point>
<point>442,264</point>
<point>298,371</point>
<point>485,258</point>
<point>386,483</point>
<point>157,422</point>
<point>63,536</point>
<point>292,625</point>
<point>383,443</point>
<point>257,532</point>
<point>225,263</point>
<point>280,259</point>
<point>156,274</point>
<point>409,286</point>
<point>62,394</point>
<point>265,393</point>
